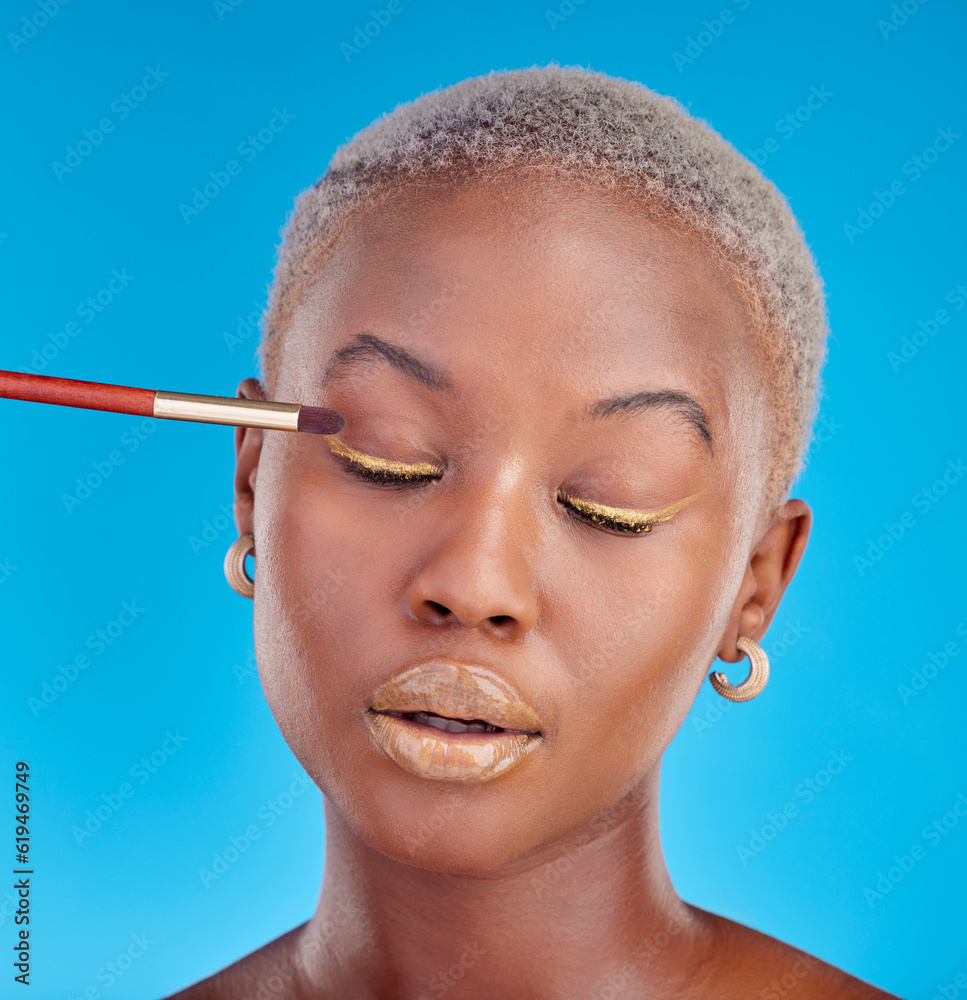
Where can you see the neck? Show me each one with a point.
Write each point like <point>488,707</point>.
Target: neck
<point>571,918</point>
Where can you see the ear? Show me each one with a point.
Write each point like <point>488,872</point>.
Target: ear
<point>771,567</point>
<point>248,448</point>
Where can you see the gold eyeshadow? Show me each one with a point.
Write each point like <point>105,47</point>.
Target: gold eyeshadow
<point>625,518</point>
<point>384,466</point>
<point>387,471</point>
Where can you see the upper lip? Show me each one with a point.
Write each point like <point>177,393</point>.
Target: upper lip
<point>456,690</point>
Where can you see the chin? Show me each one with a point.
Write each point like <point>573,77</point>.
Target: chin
<point>457,828</point>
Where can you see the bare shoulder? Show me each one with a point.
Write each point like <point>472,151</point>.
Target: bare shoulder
<point>277,961</point>
<point>744,964</point>
<point>762,967</point>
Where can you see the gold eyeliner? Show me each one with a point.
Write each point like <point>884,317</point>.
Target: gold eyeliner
<point>381,464</point>
<point>637,521</point>
<point>634,520</point>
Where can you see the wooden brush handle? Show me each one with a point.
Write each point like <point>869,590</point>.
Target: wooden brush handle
<point>71,392</point>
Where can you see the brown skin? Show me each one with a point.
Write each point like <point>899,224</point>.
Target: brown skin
<point>538,298</point>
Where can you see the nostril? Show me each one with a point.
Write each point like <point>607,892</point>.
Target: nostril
<point>435,613</point>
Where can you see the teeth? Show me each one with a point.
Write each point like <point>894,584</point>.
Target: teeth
<point>437,721</point>
<point>452,725</point>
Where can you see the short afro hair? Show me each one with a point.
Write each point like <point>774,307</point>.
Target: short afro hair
<point>604,130</point>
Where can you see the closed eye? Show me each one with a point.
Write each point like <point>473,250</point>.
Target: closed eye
<point>383,471</point>
<point>610,518</point>
<point>381,476</point>
<point>622,519</point>
<point>402,475</point>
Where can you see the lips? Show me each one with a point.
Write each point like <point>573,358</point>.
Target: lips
<point>449,720</point>
<point>461,691</point>
<point>449,725</point>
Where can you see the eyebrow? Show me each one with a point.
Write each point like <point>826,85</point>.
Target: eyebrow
<point>677,400</point>
<point>368,347</point>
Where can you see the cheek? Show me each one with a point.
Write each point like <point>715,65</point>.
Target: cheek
<point>626,629</point>
<point>639,643</point>
<point>319,602</point>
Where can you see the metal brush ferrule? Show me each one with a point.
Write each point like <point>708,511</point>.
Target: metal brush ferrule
<point>223,410</point>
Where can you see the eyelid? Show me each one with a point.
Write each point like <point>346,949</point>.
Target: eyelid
<point>594,511</point>
<point>625,515</point>
<point>381,464</point>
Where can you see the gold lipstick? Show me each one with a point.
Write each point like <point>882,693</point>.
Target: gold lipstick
<point>419,719</point>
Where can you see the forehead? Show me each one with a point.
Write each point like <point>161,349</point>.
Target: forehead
<point>528,284</point>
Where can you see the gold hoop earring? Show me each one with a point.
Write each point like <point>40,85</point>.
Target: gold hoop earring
<point>758,674</point>
<point>235,573</point>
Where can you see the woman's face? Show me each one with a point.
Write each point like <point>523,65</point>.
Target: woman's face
<point>486,324</point>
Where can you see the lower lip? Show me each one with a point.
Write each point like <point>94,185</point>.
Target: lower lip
<point>443,756</point>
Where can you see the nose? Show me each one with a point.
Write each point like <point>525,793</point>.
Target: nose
<point>478,571</point>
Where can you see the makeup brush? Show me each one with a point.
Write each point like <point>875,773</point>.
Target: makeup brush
<point>170,405</point>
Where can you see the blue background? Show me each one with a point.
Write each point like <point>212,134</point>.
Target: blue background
<point>846,637</point>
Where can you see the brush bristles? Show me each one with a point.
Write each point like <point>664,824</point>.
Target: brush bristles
<point>320,420</point>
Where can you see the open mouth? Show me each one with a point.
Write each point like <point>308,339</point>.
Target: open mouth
<point>449,721</point>
<point>451,725</point>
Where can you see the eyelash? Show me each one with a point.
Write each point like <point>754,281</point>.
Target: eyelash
<point>381,477</point>
<point>401,481</point>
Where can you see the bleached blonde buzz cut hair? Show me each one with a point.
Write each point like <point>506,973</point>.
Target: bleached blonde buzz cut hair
<point>603,130</point>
